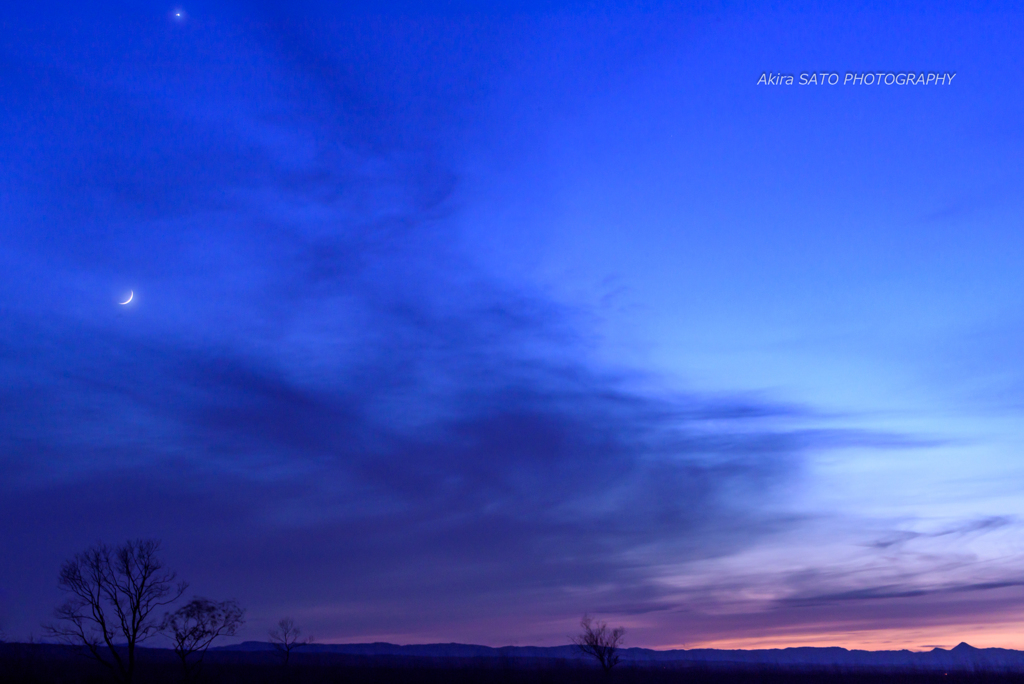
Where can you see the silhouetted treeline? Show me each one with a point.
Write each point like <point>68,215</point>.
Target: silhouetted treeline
<point>54,664</point>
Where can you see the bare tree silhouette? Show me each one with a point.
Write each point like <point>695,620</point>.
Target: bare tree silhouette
<point>286,637</point>
<point>112,594</point>
<point>195,625</point>
<point>598,641</point>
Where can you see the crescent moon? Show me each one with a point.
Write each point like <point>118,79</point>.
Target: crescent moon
<point>130,295</point>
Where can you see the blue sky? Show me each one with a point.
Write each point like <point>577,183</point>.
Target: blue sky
<point>452,324</point>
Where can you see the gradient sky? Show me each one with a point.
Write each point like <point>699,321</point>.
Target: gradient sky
<point>452,324</point>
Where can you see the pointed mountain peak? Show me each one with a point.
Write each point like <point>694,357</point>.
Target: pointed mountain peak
<point>964,646</point>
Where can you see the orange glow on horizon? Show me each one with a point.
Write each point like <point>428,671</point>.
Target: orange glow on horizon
<point>999,635</point>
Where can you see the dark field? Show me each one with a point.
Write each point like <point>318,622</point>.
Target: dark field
<point>48,664</point>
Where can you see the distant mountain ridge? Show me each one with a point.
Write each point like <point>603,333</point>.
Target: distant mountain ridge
<point>961,657</point>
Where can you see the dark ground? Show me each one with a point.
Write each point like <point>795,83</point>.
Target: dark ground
<point>49,664</point>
